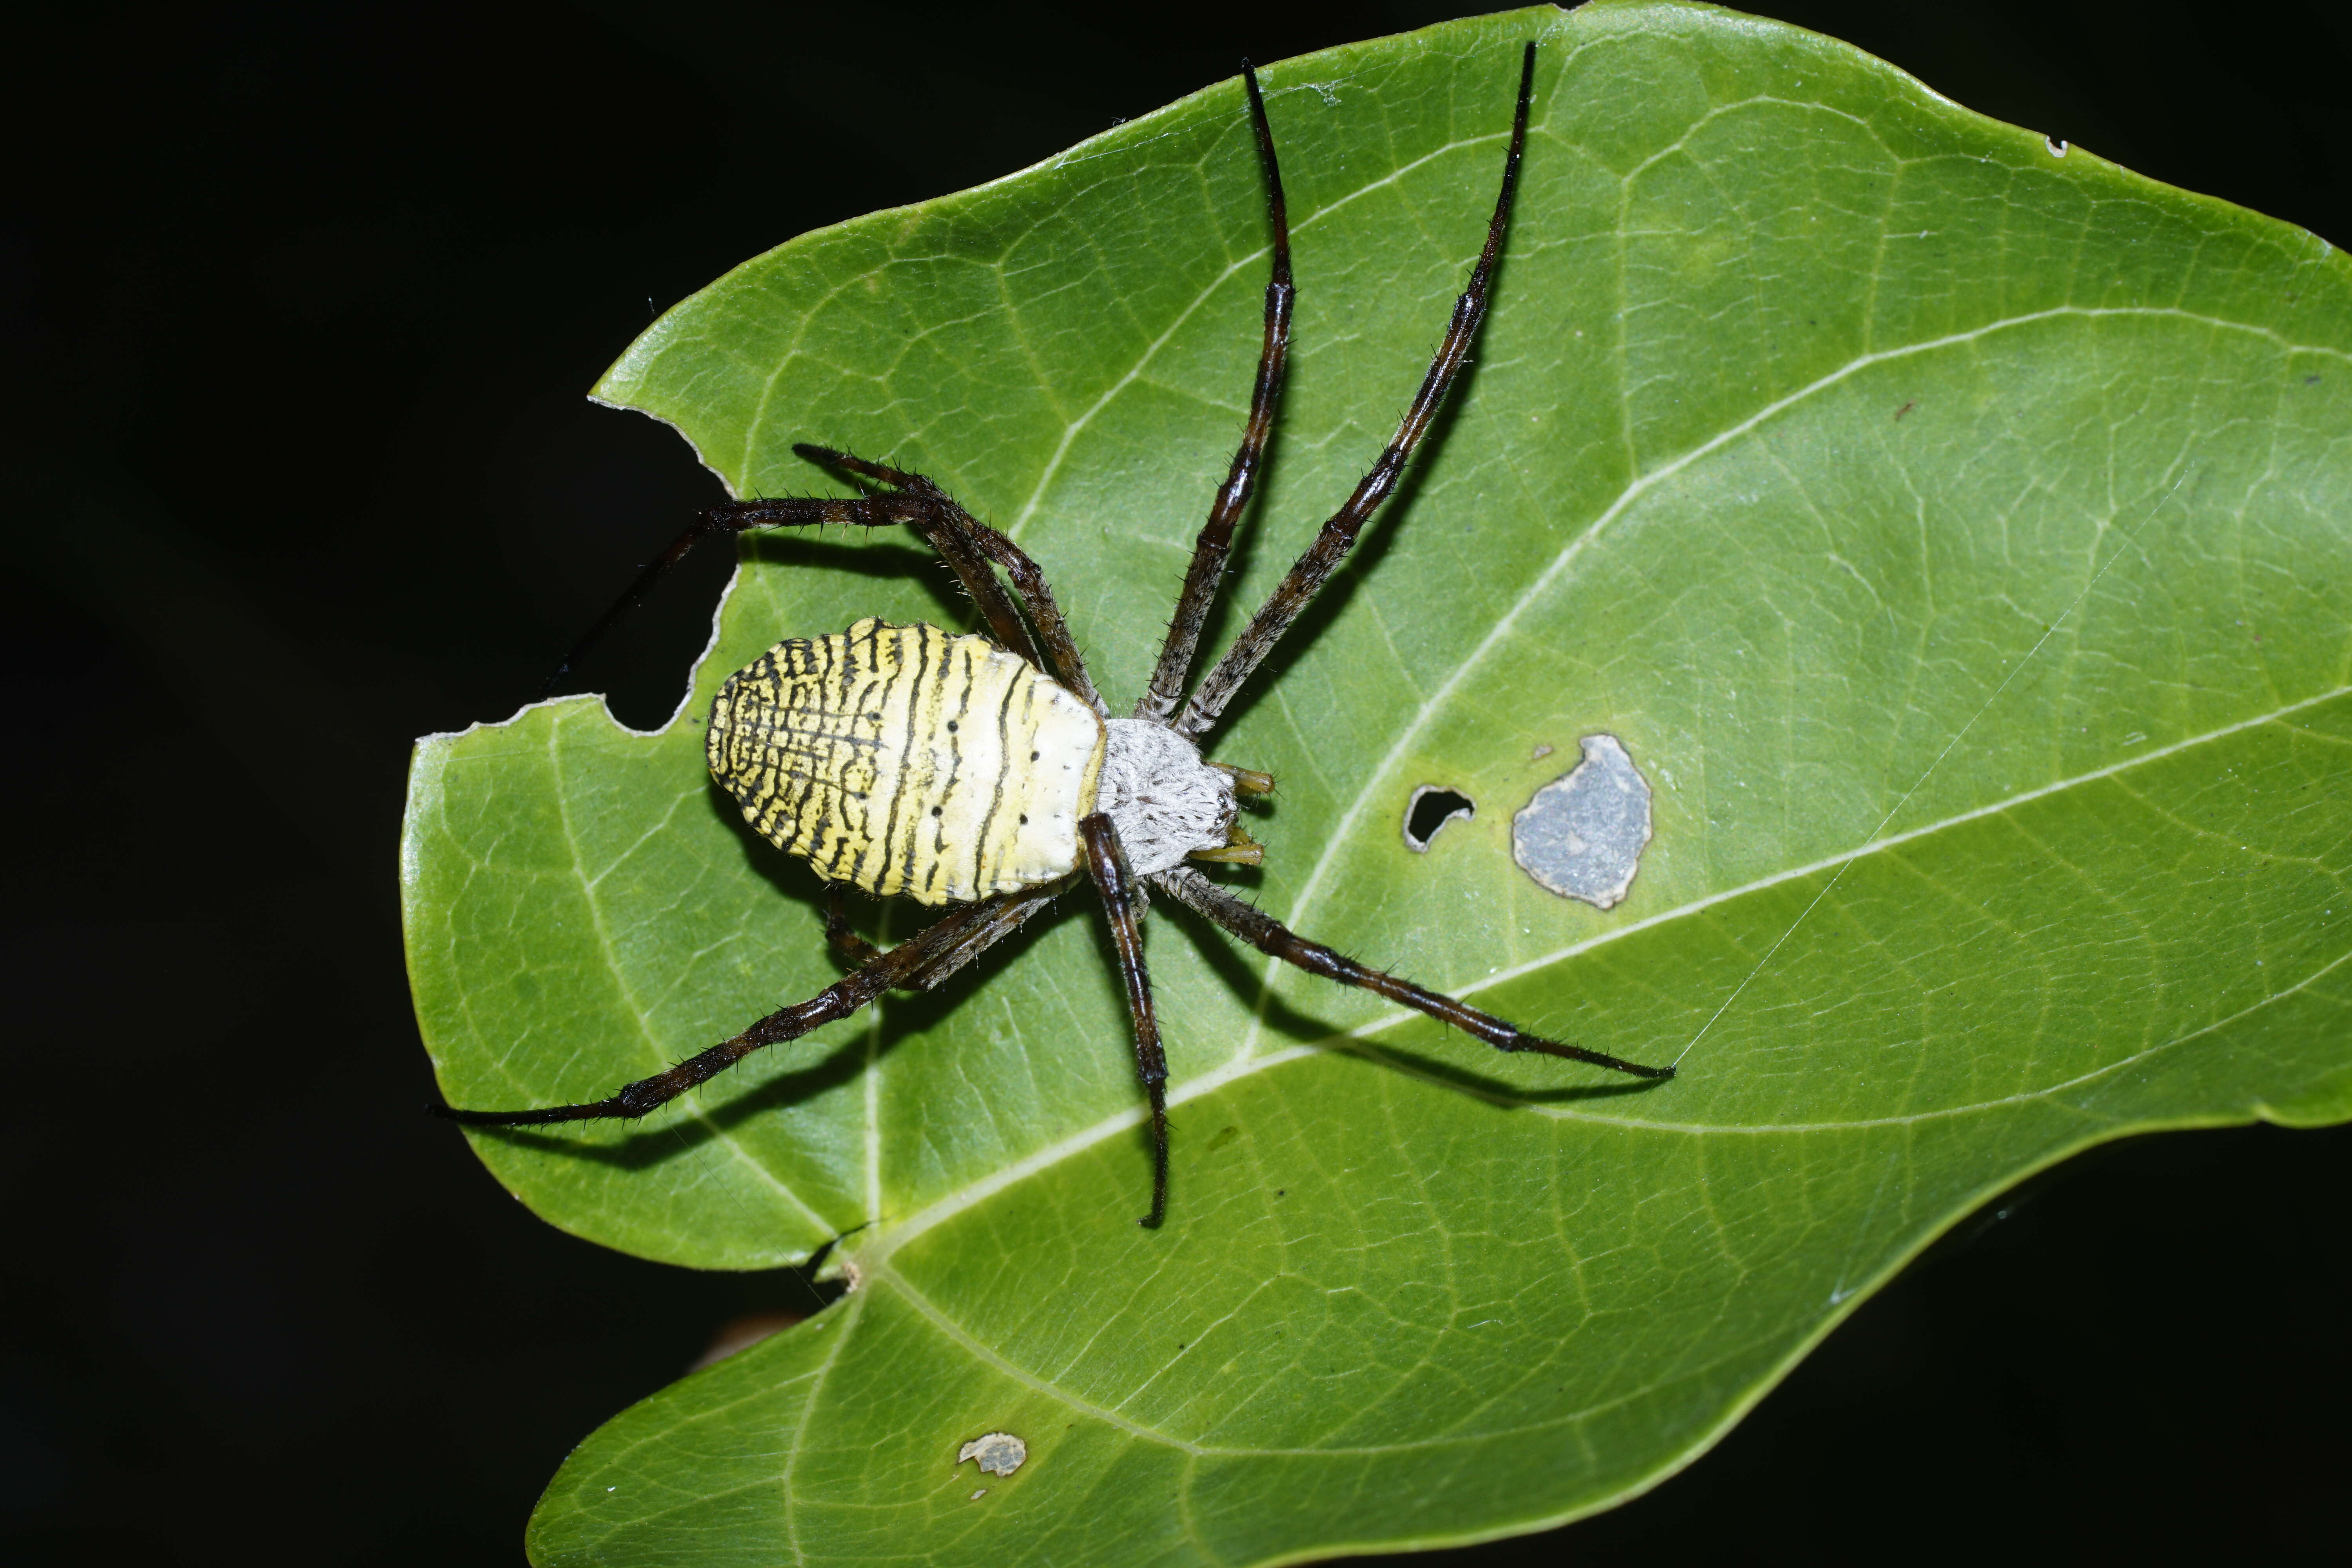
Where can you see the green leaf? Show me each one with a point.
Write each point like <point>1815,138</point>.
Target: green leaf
<point>1952,527</point>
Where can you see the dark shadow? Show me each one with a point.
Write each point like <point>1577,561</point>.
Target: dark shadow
<point>1510,1095</point>
<point>791,877</point>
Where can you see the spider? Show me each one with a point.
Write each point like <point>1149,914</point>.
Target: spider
<point>891,758</point>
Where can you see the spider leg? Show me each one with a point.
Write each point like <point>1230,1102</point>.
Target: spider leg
<point>1293,594</point>
<point>1007,916</point>
<point>1269,936</point>
<point>1124,902</point>
<point>1215,542</point>
<point>901,966</point>
<point>955,533</point>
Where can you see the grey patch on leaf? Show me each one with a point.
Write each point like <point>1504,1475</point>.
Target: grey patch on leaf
<point>1431,808</point>
<point>999,1453</point>
<point>1583,834</point>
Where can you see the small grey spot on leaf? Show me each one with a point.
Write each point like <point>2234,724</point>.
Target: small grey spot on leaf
<point>1583,834</point>
<point>998,1454</point>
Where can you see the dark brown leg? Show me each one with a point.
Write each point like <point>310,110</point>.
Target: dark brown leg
<point>1338,535</point>
<point>1272,938</point>
<point>1215,542</point>
<point>1123,902</point>
<point>957,530</point>
<point>894,968</point>
<point>1008,915</point>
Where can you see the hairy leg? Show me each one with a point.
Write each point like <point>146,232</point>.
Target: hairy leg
<point>1298,587</point>
<point>942,530</point>
<point>929,514</point>
<point>1123,903</point>
<point>899,967</point>
<point>1216,538</point>
<point>854,951</point>
<point>1270,937</point>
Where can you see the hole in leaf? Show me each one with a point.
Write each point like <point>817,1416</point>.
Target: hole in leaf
<point>1431,808</point>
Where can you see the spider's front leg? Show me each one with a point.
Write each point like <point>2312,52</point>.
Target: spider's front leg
<point>1123,903</point>
<point>1215,542</point>
<point>1307,575</point>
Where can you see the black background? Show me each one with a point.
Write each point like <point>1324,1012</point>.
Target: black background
<point>298,306</point>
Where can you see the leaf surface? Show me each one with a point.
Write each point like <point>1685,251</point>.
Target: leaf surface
<point>1953,530</point>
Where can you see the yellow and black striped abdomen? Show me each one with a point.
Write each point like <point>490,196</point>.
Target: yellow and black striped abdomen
<point>906,761</point>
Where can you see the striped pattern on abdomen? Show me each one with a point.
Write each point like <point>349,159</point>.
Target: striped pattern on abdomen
<point>902,760</point>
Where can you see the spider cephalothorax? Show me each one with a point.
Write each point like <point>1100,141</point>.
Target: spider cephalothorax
<point>970,771</point>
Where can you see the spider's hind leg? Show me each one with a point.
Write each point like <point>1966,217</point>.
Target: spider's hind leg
<point>918,962</point>
<point>998,918</point>
<point>1215,542</point>
<point>1274,939</point>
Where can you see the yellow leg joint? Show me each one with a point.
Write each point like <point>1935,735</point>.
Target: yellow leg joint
<point>1240,848</point>
<point>1247,781</point>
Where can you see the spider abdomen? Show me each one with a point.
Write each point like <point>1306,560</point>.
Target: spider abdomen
<point>902,760</point>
